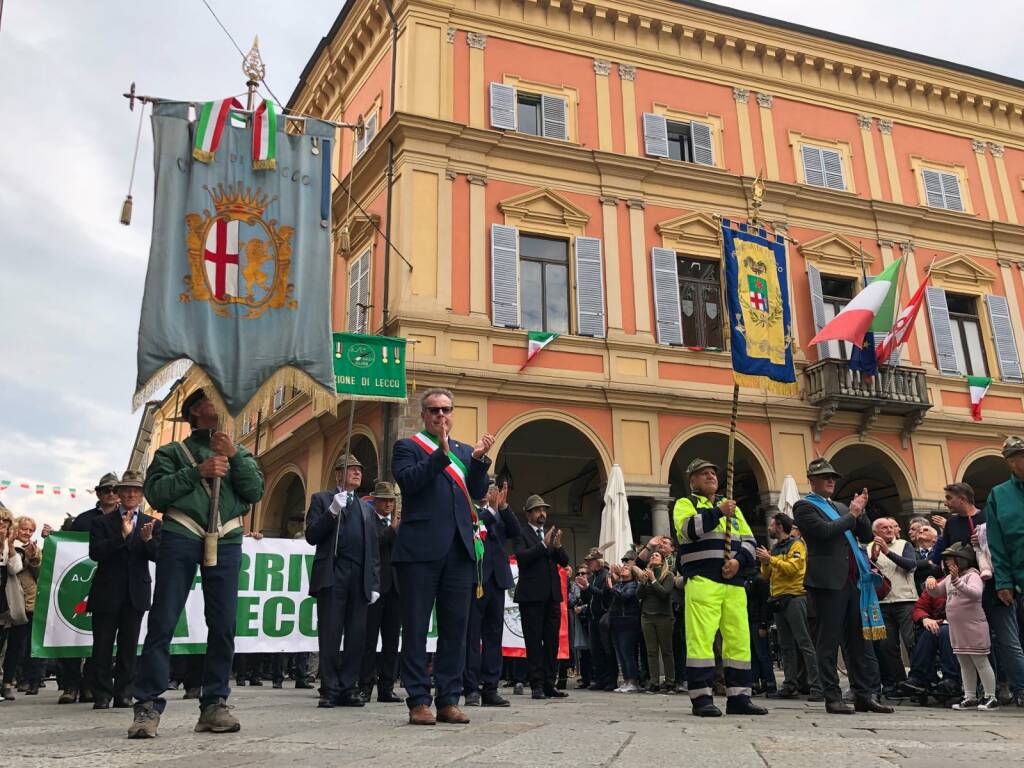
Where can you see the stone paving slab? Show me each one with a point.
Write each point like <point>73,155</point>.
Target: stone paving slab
<point>588,730</point>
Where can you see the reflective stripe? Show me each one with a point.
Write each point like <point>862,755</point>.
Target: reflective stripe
<point>182,519</point>
<point>707,554</point>
<point>696,693</point>
<point>698,525</point>
<point>737,691</point>
<point>699,662</point>
<point>735,664</point>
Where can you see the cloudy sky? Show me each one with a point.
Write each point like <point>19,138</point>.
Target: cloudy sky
<point>73,276</point>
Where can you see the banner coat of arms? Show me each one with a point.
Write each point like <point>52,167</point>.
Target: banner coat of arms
<point>239,277</point>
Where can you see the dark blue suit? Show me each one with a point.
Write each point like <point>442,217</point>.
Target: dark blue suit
<point>343,585</point>
<point>487,614</point>
<point>434,559</point>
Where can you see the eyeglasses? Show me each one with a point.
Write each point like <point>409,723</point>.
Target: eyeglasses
<point>439,409</point>
<point>107,489</point>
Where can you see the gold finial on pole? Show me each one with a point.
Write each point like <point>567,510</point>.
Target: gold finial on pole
<point>757,191</point>
<point>254,69</point>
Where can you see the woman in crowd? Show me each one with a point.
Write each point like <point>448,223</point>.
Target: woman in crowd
<point>655,593</point>
<point>21,546</point>
<point>624,622</point>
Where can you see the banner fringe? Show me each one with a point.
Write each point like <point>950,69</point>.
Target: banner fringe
<point>874,633</point>
<point>172,371</point>
<point>202,156</point>
<point>763,382</point>
<point>264,165</point>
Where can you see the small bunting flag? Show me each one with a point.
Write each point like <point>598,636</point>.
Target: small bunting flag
<point>978,386</point>
<point>73,492</point>
<point>39,490</point>
<point>4,485</point>
<point>264,137</point>
<point>56,490</point>
<point>536,341</point>
<point>26,486</point>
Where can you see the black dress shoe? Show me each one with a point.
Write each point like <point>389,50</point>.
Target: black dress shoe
<point>494,699</point>
<point>364,694</point>
<point>610,687</point>
<point>581,685</point>
<point>239,683</point>
<point>120,702</point>
<point>303,684</point>
<point>873,705</point>
<point>326,702</point>
<point>101,702</point>
<point>257,682</point>
<point>388,696</point>
<point>707,710</point>
<point>744,708</point>
<point>538,694</point>
<point>554,693</point>
<point>838,708</point>
<point>783,693</point>
<point>472,699</point>
<point>351,699</point>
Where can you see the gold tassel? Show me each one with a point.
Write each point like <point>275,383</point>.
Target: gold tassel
<point>479,591</point>
<point>264,165</point>
<point>126,210</point>
<point>201,155</point>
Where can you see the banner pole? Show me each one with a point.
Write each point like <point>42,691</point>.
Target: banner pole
<point>212,521</point>
<point>344,471</point>
<point>730,465</point>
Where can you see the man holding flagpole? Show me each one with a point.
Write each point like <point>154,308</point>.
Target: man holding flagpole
<point>437,553</point>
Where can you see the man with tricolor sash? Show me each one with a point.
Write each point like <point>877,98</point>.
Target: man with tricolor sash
<point>437,552</point>
<point>841,587</point>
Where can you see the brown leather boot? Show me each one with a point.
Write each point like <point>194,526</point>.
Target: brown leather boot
<point>421,715</point>
<point>452,714</point>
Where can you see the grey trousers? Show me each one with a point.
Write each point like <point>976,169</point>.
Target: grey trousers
<point>795,641</point>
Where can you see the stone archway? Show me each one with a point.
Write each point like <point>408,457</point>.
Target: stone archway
<point>561,463</point>
<point>983,474</point>
<point>284,511</point>
<point>865,465</point>
<point>751,484</point>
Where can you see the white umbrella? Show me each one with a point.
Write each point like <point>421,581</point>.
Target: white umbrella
<point>615,528</point>
<point>789,495</point>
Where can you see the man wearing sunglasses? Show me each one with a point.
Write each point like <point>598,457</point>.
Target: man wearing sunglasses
<point>71,673</point>
<point>436,553</point>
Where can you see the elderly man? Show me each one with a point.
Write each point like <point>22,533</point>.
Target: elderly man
<point>895,560</point>
<point>924,545</point>
<point>594,592</point>
<point>344,581</point>
<point>841,588</point>
<point>180,483</point>
<point>71,672</point>
<point>1005,529</point>
<point>383,617</point>
<point>716,599</point>
<point>437,547</point>
<point>539,554</point>
<point>784,567</point>
<point>122,542</point>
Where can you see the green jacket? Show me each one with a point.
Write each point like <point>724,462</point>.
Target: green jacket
<point>1004,518</point>
<point>172,481</point>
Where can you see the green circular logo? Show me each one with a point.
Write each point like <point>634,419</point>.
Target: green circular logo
<point>73,595</point>
<point>361,355</point>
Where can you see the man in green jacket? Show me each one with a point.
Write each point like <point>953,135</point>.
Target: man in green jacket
<point>178,483</point>
<point>1004,517</point>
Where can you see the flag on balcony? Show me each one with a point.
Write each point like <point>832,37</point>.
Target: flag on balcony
<point>863,358</point>
<point>870,310</point>
<point>757,295</point>
<point>536,341</point>
<point>904,323</point>
<point>978,386</point>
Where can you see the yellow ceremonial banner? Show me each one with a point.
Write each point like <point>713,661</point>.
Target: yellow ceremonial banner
<point>763,309</point>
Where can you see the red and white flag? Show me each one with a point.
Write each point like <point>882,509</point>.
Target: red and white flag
<point>903,325</point>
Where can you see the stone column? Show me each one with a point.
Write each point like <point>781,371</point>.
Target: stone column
<point>661,520</point>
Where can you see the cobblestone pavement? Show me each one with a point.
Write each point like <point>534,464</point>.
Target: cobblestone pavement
<point>284,727</point>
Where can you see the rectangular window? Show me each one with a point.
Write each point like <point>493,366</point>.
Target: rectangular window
<point>246,423</point>
<point>544,283</point>
<point>836,293</point>
<point>966,327</point>
<point>528,113</point>
<point>359,293</point>
<point>680,142</point>
<point>700,303</point>
<point>942,190</point>
<point>822,167</point>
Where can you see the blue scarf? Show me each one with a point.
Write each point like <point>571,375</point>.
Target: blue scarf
<point>871,620</point>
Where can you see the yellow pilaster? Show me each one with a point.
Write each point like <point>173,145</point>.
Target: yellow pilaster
<point>771,157</point>
<point>1004,182</point>
<point>986,178</point>
<point>892,169</point>
<point>477,87</point>
<point>444,241</point>
<point>477,247</point>
<point>602,70</point>
<point>742,95</point>
<point>627,76</point>
<point>638,249</point>
<point>1010,291</point>
<point>870,159</point>
<point>610,221</point>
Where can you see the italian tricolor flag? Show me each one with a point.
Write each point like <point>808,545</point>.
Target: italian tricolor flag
<point>870,310</point>
<point>979,388</point>
<point>537,340</point>
<point>264,137</point>
<point>210,127</point>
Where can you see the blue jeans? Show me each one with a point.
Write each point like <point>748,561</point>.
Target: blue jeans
<point>176,563</point>
<point>1006,650</point>
<point>922,660</point>
<point>625,633</point>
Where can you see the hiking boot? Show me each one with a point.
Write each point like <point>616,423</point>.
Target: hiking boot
<point>145,723</point>
<point>217,718</point>
<point>70,696</point>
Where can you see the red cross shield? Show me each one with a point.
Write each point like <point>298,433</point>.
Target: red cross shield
<point>221,258</point>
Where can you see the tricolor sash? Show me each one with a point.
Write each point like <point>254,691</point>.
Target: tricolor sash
<point>872,624</point>
<point>456,472</point>
<point>210,126</point>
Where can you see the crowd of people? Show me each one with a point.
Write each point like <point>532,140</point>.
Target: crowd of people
<point>705,611</point>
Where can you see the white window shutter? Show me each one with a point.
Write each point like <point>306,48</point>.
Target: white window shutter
<point>589,288</point>
<point>667,315</point>
<point>503,107</point>
<point>504,276</point>
<point>360,143</point>
<point>832,165</point>
<point>655,135</point>
<point>554,123</point>
<point>951,192</point>
<point>700,137</point>
<point>1002,334</point>
<point>817,307</point>
<point>371,129</point>
<point>932,181</point>
<point>353,296</point>
<point>278,397</point>
<point>359,294</point>
<point>942,331</point>
<point>814,172</point>
<point>364,293</point>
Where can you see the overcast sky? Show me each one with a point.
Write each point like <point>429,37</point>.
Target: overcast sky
<point>73,276</point>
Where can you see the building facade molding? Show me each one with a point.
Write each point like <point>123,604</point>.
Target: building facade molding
<point>476,40</point>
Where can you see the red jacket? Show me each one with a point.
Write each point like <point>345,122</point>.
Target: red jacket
<point>928,607</point>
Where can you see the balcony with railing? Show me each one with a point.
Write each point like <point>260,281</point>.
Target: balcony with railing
<point>895,390</point>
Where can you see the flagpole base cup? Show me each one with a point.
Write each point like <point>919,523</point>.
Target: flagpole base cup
<point>210,550</point>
